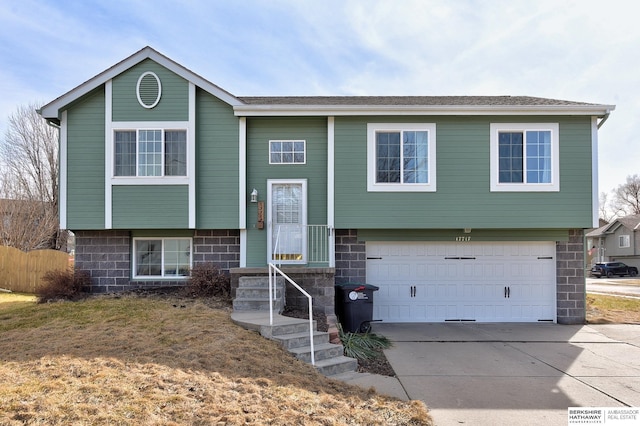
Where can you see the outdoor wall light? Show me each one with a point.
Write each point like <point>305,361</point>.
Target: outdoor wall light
<point>467,230</point>
<point>254,196</point>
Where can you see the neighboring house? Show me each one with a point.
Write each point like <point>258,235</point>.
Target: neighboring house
<point>457,207</point>
<point>617,241</point>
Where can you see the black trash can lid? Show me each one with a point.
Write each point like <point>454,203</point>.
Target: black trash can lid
<point>356,286</point>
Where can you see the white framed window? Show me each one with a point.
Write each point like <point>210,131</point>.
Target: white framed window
<point>161,257</point>
<point>525,157</point>
<point>287,152</point>
<point>401,157</point>
<point>624,241</point>
<point>150,152</point>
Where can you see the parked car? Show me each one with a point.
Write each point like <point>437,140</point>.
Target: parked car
<point>610,269</point>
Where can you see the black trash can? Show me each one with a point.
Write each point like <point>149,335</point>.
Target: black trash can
<point>354,306</point>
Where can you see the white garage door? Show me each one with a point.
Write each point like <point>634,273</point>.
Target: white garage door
<point>486,282</point>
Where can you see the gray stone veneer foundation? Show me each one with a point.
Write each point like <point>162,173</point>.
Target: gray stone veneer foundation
<point>106,255</point>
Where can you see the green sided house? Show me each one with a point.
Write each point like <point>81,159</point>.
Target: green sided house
<point>459,208</point>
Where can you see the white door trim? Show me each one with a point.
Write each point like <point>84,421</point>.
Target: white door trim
<point>271,222</point>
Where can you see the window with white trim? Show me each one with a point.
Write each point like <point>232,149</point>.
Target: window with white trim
<point>287,152</point>
<point>524,157</point>
<point>401,157</point>
<point>161,257</point>
<point>624,241</point>
<point>150,152</point>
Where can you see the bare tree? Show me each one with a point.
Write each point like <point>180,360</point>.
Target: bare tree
<point>607,211</point>
<point>29,181</point>
<point>627,196</point>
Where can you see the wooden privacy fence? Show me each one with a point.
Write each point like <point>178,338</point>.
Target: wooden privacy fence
<point>22,272</point>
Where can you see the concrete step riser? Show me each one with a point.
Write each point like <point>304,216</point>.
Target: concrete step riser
<point>297,341</point>
<point>340,367</point>
<point>256,305</point>
<point>282,330</point>
<point>320,354</point>
<point>262,282</point>
<point>255,293</point>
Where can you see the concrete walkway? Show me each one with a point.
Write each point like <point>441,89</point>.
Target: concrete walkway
<point>512,374</point>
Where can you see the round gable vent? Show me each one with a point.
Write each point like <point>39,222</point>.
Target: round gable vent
<point>148,89</point>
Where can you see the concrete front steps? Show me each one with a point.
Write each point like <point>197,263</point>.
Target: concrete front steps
<point>293,335</point>
<point>251,311</point>
<point>252,294</point>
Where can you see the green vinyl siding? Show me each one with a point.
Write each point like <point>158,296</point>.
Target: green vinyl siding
<point>163,233</point>
<point>217,167</point>
<point>259,132</point>
<point>459,235</point>
<point>150,206</point>
<point>463,198</point>
<point>174,102</point>
<point>85,163</point>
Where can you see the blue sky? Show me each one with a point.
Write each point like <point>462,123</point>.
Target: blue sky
<point>583,50</point>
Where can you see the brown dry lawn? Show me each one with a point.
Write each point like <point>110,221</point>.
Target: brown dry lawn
<point>136,360</point>
<point>612,310</point>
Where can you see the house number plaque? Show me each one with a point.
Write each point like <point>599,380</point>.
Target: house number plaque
<point>463,239</point>
<point>260,224</point>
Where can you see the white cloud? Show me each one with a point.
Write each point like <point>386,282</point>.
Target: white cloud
<point>578,50</point>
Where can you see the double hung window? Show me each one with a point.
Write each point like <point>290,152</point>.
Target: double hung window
<point>401,157</point>
<point>524,157</point>
<point>624,241</point>
<point>150,152</point>
<point>161,257</point>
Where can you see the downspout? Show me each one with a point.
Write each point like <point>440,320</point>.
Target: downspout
<point>605,118</point>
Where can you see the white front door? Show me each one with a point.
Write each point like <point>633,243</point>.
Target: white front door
<point>489,282</point>
<point>287,221</point>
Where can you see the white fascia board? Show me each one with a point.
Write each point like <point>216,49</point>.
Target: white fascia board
<point>52,109</point>
<point>352,110</point>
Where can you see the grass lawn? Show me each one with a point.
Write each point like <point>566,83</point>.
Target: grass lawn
<point>611,309</point>
<point>135,360</point>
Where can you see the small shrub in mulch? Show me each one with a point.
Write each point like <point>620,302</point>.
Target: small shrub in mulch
<point>362,346</point>
<point>207,280</point>
<point>63,285</point>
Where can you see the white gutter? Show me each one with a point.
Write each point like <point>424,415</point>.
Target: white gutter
<point>352,110</point>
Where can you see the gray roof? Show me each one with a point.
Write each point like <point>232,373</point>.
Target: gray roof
<point>337,105</point>
<point>409,100</point>
<point>631,222</point>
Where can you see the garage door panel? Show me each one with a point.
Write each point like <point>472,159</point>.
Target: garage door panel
<point>449,281</point>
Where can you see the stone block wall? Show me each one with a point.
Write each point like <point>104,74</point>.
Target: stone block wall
<point>351,257</point>
<point>106,256</point>
<point>218,246</point>
<point>571,284</point>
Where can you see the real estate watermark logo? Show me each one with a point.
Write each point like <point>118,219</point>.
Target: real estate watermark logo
<point>624,416</point>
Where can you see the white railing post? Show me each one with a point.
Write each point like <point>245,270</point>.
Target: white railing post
<point>274,268</point>
<point>271,296</point>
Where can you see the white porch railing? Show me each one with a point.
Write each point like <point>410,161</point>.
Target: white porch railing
<point>274,271</point>
<point>301,244</point>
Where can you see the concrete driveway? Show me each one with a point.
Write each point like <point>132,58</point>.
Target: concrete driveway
<point>514,374</point>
